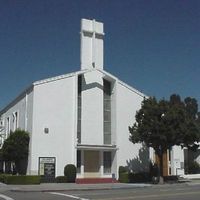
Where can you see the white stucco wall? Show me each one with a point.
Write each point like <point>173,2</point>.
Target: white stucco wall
<point>92,109</point>
<point>127,103</point>
<point>53,105</point>
<point>177,160</point>
<point>29,114</point>
<point>54,108</point>
<point>23,106</point>
<point>18,107</point>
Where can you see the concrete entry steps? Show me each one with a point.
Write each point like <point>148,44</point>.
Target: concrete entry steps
<point>95,180</point>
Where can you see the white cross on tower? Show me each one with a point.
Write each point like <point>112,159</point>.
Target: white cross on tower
<point>91,44</point>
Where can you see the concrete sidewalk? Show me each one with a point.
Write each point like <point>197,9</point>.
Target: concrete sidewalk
<point>52,187</point>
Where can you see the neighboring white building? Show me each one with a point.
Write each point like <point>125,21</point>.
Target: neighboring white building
<point>81,118</point>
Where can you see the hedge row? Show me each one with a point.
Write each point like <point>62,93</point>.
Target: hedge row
<point>141,177</point>
<point>19,179</point>
<point>61,179</point>
<point>69,172</point>
<point>27,180</point>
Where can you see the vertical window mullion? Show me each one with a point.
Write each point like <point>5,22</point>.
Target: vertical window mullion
<point>107,111</point>
<point>79,106</point>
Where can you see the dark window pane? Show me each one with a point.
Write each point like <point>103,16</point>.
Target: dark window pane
<point>107,161</point>
<point>107,116</point>
<point>79,84</point>
<point>107,138</point>
<point>107,104</point>
<point>107,112</point>
<point>79,101</point>
<point>107,87</point>
<point>79,109</point>
<point>107,127</point>
<point>79,113</point>
<point>78,161</point>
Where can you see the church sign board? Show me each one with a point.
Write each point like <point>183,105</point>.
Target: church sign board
<point>47,168</point>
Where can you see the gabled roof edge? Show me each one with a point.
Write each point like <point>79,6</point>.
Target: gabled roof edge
<point>67,76</point>
<point>13,102</point>
<point>124,84</point>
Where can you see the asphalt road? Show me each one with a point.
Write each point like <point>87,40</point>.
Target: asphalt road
<point>171,192</point>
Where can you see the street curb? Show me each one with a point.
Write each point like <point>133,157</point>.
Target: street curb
<point>79,189</point>
<point>128,186</point>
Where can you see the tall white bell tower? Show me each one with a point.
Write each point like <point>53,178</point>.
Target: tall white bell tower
<point>91,44</point>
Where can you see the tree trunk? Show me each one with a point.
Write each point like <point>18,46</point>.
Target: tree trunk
<point>160,157</point>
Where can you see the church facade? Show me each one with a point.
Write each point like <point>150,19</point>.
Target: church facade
<point>81,118</point>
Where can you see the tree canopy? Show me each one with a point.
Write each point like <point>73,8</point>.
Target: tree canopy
<point>165,123</point>
<point>16,146</point>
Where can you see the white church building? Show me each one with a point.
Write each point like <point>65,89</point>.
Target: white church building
<point>80,118</point>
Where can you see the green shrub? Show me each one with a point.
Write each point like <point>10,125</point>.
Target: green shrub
<point>2,177</point>
<point>123,174</point>
<point>140,177</point>
<point>122,169</point>
<point>193,168</point>
<point>123,178</point>
<point>21,179</point>
<point>47,179</point>
<point>70,173</point>
<point>61,179</point>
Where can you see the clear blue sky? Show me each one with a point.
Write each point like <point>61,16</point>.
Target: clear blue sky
<point>153,45</point>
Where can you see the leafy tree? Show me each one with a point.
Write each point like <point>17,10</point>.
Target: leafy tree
<point>15,148</point>
<point>163,124</point>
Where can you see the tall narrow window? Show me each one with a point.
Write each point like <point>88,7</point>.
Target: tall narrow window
<point>79,109</point>
<point>7,127</point>
<point>107,111</point>
<point>15,120</point>
<point>78,163</point>
<point>1,138</point>
<point>1,124</point>
<point>107,162</point>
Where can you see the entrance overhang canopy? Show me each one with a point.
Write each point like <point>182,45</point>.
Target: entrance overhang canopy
<point>96,147</point>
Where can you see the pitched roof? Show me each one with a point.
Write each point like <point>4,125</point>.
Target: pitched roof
<point>51,79</point>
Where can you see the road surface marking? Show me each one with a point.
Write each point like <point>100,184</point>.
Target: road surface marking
<point>180,189</point>
<point>152,196</point>
<point>67,195</point>
<point>5,197</point>
<point>105,193</point>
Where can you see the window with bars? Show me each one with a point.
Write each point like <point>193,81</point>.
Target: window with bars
<point>79,109</point>
<point>107,111</point>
